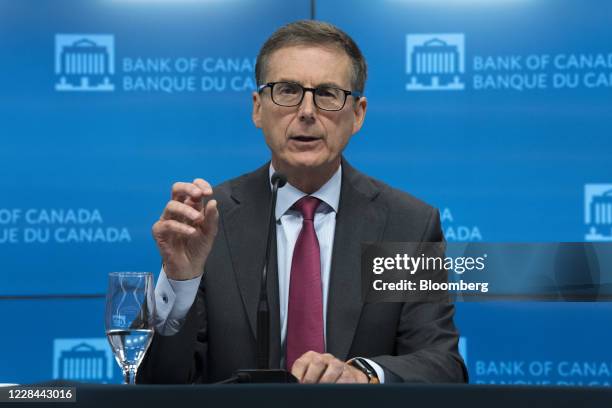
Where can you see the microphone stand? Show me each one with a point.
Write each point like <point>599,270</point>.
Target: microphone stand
<point>263,373</point>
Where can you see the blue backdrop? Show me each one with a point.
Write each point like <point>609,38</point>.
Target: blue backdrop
<point>497,112</point>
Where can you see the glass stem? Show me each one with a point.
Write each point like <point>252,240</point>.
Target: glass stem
<point>129,376</point>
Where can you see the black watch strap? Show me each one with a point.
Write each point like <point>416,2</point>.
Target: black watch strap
<point>365,367</point>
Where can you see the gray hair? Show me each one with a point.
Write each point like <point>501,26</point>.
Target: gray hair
<point>310,32</point>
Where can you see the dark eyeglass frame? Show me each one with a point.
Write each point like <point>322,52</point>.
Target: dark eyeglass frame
<point>271,85</point>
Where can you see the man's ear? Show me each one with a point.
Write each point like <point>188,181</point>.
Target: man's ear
<point>359,110</point>
<point>256,115</point>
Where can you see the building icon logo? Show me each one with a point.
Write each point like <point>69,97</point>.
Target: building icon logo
<point>86,359</point>
<point>84,62</point>
<point>598,212</point>
<point>435,62</point>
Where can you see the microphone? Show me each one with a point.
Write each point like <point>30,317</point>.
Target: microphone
<point>263,311</point>
<point>280,180</point>
<point>263,373</point>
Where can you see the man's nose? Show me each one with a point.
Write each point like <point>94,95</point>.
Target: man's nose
<point>307,107</point>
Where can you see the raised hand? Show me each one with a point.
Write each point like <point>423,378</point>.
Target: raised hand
<point>186,229</point>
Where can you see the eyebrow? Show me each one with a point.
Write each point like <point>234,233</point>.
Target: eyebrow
<point>329,84</point>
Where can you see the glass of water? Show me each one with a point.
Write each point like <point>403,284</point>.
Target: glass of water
<point>130,310</point>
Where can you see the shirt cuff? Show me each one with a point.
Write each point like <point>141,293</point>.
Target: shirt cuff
<point>379,370</point>
<point>173,299</point>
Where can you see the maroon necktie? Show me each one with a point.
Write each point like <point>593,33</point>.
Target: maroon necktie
<point>305,314</point>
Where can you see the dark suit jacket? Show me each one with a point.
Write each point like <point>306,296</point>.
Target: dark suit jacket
<point>414,342</point>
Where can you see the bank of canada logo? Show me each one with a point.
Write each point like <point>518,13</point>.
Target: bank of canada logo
<point>84,62</point>
<point>85,359</point>
<point>598,212</point>
<point>435,62</point>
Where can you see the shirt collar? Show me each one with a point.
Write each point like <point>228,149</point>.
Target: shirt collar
<point>329,193</point>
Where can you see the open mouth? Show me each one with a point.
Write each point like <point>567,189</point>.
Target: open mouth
<point>305,138</point>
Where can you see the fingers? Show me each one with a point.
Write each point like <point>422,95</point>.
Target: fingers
<point>203,185</point>
<point>351,375</point>
<point>211,218</point>
<point>190,208</point>
<point>193,194</point>
<point>299,367</point>
<point>181,212</point>
<point>186,230</point>
<point>164,229</point>
<point>314,367</point>
<point>314,371</point>
<point>333,372</point>
<point>207,193</point>
<point>181,191</point>
<point>345,378</point>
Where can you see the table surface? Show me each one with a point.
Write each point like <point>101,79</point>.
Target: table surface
<point>318,396</point>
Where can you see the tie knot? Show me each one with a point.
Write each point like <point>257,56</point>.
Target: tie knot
<point>307,205</point>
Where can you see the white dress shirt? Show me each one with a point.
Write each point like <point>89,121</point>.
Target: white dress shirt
<point>173,299</point>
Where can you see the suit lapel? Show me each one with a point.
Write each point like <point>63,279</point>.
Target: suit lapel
<point>246,229</point>
<point>359,219</point>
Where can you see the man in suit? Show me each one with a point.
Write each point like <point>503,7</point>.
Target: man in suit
<point>309,103</point>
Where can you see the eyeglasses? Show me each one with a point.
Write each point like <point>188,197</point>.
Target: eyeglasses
<point>291,94</point>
